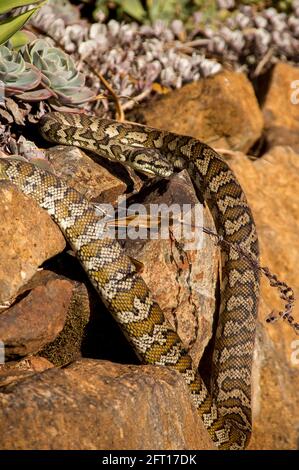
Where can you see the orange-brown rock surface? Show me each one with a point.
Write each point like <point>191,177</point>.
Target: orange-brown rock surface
<point>281,107</point>
<point>86,176</point>
<point>13,371</point>
<point>28,237</point>
<point>100,405</point>
<point>221,110</point>
<point>37,318</point>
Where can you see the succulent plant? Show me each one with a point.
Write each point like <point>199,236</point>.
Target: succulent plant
<point>64,10</point>
<point>59,72</point>
<point>40,71</point>
<point>137,58</point>
<point>15,74</point>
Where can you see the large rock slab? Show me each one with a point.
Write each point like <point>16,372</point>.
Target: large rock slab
<point>100,405</point>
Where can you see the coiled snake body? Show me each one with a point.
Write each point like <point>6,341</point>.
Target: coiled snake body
<point>226,409</point>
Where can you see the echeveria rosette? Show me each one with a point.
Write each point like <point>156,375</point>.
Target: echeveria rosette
<point>15,74</point>
<point>59,72</point>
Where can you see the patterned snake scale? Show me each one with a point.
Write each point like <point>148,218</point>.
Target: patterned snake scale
<point>226,409</point>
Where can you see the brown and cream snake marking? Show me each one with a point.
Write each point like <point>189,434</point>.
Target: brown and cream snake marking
<point>226,410</point>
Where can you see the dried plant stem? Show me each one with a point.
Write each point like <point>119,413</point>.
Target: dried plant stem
<point>286,293</point>
<point>263,62</point>
<point>136,99</point>
<point>120,115</point>
<point>224,151</point>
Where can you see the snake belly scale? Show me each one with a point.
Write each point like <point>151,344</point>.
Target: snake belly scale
<point>225,405</point>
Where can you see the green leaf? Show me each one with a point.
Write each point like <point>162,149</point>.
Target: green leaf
<point>10,26</point>
<point>7,5</point>
<point>168,10</point>
<point>21,38</point>
<point>132,8</point>
<point>161,9</point>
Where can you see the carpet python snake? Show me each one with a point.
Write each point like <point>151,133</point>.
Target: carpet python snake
<point>226,408</point>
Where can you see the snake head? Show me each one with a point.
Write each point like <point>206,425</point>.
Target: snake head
<point>148,161</point>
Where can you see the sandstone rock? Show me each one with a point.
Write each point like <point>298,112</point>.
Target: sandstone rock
<point>24,243</point>
<point>275,399</point>
<point>221,110</point>
<point>99,405</point>
<point>36,319</point>
<point>271,185</point>
<point>281,107</point>
<point>13,371</point>
<point>91,179</point>
<point>182,278</point>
